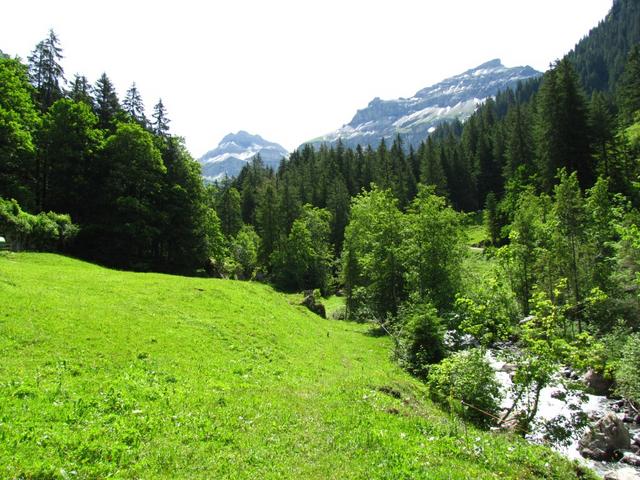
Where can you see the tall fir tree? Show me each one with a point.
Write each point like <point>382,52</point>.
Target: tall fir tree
<point>160,121</point>
<point>561,130</point>
<point>134,106</point>
<point>107,105</point>
<point>80,90</point>
<point>45,71</point>
<point>431,171</point>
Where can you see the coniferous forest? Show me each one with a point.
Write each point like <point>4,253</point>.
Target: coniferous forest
<point>550,169</point>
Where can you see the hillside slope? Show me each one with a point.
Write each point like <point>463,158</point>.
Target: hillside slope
<point>128,375</point>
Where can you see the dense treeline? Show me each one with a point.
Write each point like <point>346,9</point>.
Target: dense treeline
<point>132,188</point>
<point>517,142</point>
<point>600,57</point>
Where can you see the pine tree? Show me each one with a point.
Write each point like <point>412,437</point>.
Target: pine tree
<point>289,204</point>
<point>601,124</point>
<point>267,220</point>
<point>561,130</point>
<point>107,106</point>
<point>518,143</point>
<point>134,106</point>
<point>338,201</point>
<point>160,121</point>
<point>80,90</point>
<point>547,131</point>
<point>45,70</point>
<point>229,211</point>
<point>431,171</point>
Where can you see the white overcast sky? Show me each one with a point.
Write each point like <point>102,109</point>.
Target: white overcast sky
<point>289,70</point>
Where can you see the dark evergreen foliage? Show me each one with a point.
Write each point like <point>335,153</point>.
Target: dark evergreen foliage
<point>600,57</point>
<point>45,71</point>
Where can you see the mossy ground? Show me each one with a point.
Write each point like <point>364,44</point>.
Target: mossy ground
<point>108,374</point>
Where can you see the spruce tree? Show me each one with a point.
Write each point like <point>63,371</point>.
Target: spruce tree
<point>229,211</point>
<point>267,220</point>
<point>160,121</point>
<point>134,106</point>
<point>107,106</point>
<point>518,143</point>
<point>45,70</point>
<point>431,171</point>
<point>80,90</point>
<point>561,130</point>
<point>601,124</point>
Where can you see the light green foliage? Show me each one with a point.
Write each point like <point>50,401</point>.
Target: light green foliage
<point>433,248</point>
<point>490,315</point>
<point>112,374</point>
<point>466,383</point>
<point>600,231</point>
<point>303,260</point>
<point>420,340</point>
<point>519,257</point>
<point>371,257</point>
<point>541,349</point>
<point>491,219</point>
<point>214,239</point>
<point>18,123</point>
<point>627,378</point>
<point>614,342</point>
<point>629,231</point>
<point>569,236</point>
<point>45,232</point>
<point>244,250</point>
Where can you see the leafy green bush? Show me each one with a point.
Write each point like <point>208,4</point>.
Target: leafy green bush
<point>46,231</point>
<point>466,382</point>
<point>488,314</point>
<point>421,339</point>
<point>244,251</point>
<point>627,373</point>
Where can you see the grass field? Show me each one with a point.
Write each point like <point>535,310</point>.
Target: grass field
<point>108,374</point>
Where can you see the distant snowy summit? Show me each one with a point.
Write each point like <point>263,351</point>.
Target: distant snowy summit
<point>413,118</point>
<point>235,151</point>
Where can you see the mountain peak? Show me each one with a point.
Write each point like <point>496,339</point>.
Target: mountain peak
<point>495,63</point>
<point>235,150</point>
<point>414,118</point>
<point>241,135</point>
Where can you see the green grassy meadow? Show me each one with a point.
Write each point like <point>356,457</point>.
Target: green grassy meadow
<point>108,374</point>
